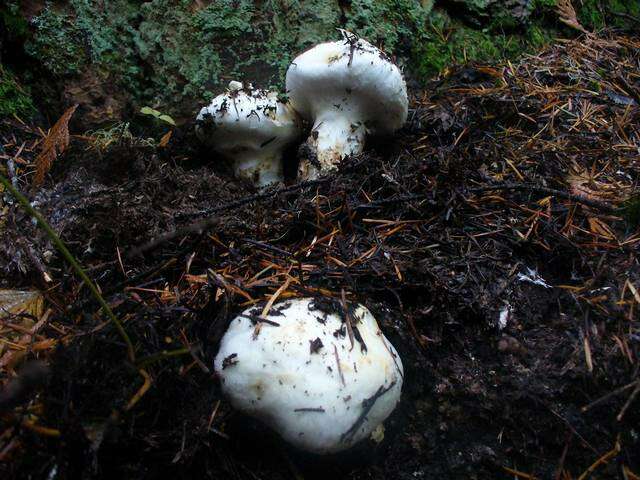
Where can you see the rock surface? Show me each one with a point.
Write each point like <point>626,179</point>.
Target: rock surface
<point>176,55</point>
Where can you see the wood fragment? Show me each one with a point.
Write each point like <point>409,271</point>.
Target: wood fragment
<point>603,459</point>
<point>347,317</point>
<point>548,191</point>
<point>335,352</point>
<point>267,307</point>
<point>629,401</point>
<point>610,395</point>
<point>146,385</point>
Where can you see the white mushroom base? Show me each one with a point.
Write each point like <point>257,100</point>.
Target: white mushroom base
<point>302,376</point>
<point>261,171</point>
<point>332,138</point>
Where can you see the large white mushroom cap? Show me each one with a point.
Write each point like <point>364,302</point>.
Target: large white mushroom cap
<point>297,370</point>
<point>251,128</point>
<point>347,89</point>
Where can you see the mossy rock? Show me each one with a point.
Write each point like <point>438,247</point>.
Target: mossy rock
<point>598,14</point>
<point>506,13</point>
<point>175,55</point>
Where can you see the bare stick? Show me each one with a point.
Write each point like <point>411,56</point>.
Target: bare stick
<point>605,207</point>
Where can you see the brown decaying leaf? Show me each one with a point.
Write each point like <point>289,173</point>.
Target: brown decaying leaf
<point>56,141</point>
<point>20,302</point>
<point>568,15</point>
<point>164,141</point>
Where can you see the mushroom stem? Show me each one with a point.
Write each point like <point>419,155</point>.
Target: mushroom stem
<point>347,89</point>
<point>333,137</point>
<point>260,170</point>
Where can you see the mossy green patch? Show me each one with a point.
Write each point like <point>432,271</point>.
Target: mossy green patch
<point>451,42</point>
<point>58,42</point>
<point>188,58</point>
<point>172,54</point>
<point>14,99</point>
<point>597,14</point>
<point>392,24</point>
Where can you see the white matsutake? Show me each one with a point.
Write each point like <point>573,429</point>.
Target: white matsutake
<point>347,90</point>
<point>250,128</point>
<point>321,376</point>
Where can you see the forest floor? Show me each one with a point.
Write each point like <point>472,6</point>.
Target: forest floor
<point>495,239</point>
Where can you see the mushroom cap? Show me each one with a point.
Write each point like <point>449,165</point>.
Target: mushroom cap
<point>350,76</point>
<point>245,120</point>
<point>288,375</point>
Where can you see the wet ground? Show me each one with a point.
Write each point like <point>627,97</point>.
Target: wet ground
<point>495,238</point>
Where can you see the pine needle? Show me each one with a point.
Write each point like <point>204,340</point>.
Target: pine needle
<point>568,15</point>
<point>54,144</point>
<point>62,248</point>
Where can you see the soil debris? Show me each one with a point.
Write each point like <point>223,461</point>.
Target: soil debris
<point>502,376</point>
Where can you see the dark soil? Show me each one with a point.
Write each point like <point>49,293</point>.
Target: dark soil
<point>427,229</point>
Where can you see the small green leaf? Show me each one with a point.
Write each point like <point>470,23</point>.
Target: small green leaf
<point>150,111</point>
<point>159,115</point>
<point>168,119</point>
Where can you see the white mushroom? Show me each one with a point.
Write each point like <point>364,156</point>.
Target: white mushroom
<point>348,89</point>
<point>322,379</point>
<point>251,128</point>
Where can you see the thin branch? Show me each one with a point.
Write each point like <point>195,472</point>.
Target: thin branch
<point>610,395</point>
<point>53,236</point>
<point>367,405</point>
<point>605,207</point>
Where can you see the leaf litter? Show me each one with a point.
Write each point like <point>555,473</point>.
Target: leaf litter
<point>527,168</point>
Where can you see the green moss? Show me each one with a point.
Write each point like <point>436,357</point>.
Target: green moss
<point>388,23</point>
<point>14,99</point>
<point>172,54</point>
<point>108,29</point>
<point>477,6</point>
<point>598,14</point>
<point>543,4</point>
<point>450,42</point>
<point>286,28</point>
<point>161,52</point>
<point>186,52</point>
<point>57,42</point>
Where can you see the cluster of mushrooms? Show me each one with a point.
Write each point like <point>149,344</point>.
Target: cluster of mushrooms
<point>317,371</point>
<point>346,90</point>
